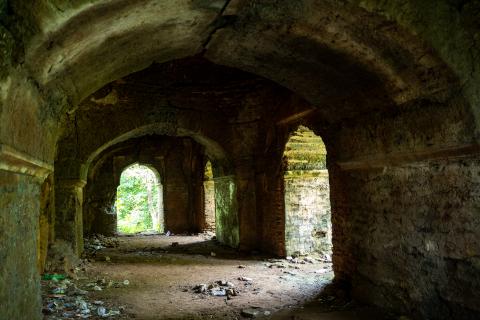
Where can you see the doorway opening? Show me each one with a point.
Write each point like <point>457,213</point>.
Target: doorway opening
<point>209,198</point>
<point>308,226</point>
<point>139,201</point>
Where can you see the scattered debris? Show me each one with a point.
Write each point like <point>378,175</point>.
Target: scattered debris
<point>62,299</point>
<point>220,288</point>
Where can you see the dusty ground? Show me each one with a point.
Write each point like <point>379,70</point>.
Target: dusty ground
<point>161,278</point>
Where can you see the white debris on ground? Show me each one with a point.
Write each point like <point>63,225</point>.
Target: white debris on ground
<point>68,299</point>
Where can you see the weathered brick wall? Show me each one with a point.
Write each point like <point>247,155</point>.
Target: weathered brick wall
<point>308,226</point>
<point>414,231</point>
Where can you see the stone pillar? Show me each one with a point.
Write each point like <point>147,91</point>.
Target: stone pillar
<point>21,178</point>
<point>247,205</point>
<point>69,212</point>
<point>226,211</point>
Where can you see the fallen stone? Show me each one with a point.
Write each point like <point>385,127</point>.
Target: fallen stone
<point>102,312</point>
<point>218,292</point>
<point>251,312</point>
<point>201,288</point>
<point>246,279</point>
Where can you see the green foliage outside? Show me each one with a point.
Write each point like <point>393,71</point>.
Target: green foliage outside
<point>138,201</point>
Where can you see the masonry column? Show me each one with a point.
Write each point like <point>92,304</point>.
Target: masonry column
<point>247,204</point>
<point>21,178</point>
<point>69,212</point>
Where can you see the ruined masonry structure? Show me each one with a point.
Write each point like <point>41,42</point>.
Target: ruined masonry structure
<point>88,87</point>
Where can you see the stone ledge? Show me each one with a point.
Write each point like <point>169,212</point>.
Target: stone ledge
<point>16,161</point>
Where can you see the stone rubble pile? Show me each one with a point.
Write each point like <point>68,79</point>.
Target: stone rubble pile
<point>220,288</point>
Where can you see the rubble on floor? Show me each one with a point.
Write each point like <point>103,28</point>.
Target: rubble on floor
<point>220,288</point>
<point>65,298</point>
<point>97,242</point>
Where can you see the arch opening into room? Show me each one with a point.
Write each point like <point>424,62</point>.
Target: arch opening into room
<point>209,198</point>
<point>308,224</point>
<point>139,200</point>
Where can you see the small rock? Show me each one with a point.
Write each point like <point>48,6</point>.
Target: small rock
<point>232,293</point>
<point>97,288</point>
<point>222,283</point>
<point>242,266</point>
<point>213,254</point>
<point>174,244</point>
<point>102,312</point>
<point>218,292</point>
<point>251,312</point>
<point>107,258</point>
<point>246,279</point>
<point>201,288</point>
<point>126,282</point>
<point>321,271</point>
<point>309,260</point>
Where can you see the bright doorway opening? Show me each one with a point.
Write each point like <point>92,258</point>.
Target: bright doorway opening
<point>308,226</point>
<point>139,202</point>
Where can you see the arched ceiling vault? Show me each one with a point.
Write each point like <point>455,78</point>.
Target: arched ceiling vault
<point>341,58</point>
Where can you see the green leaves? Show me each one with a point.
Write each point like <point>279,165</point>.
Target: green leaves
<point>137,199</point>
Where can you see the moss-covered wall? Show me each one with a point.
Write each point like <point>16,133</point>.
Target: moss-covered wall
<point>226,209</point>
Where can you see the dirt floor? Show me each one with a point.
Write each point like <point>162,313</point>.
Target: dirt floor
<point>193,277</point>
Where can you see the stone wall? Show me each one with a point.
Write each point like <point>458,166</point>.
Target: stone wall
<point>308,226</point>
<point>423,257</point>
